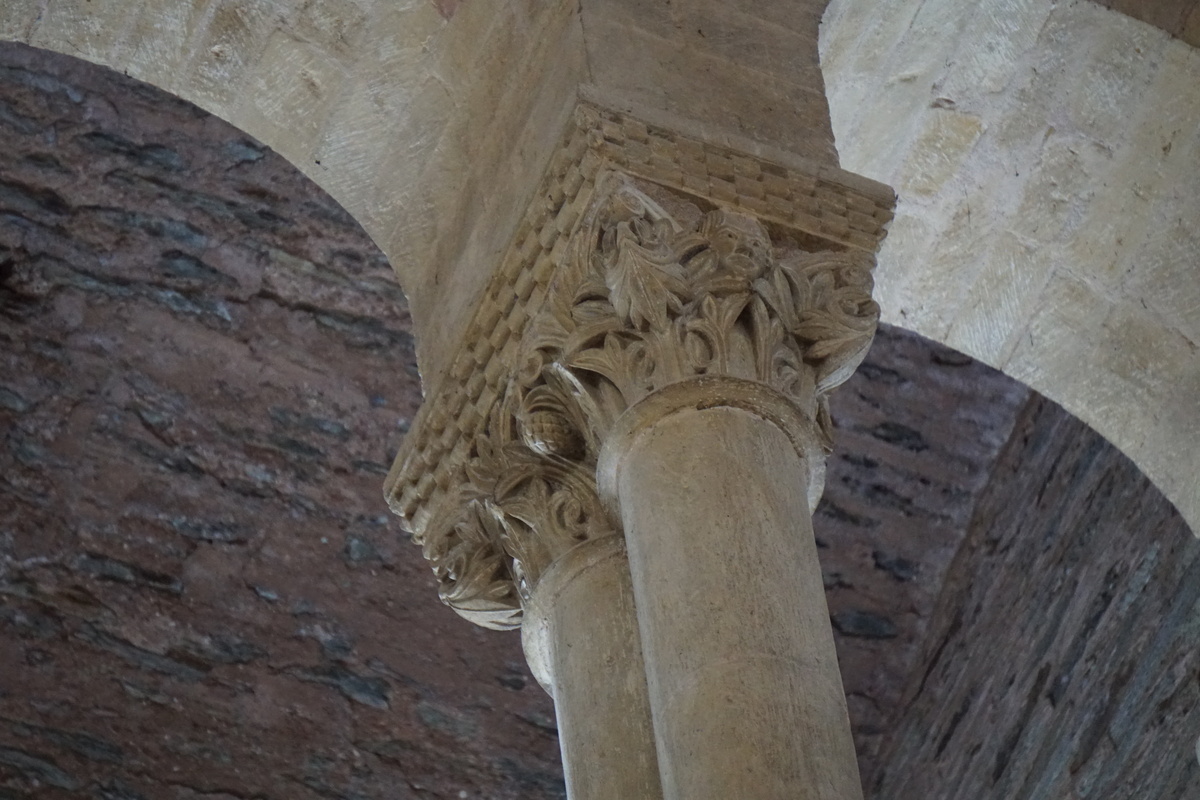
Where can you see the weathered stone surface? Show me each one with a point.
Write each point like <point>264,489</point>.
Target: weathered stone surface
<point>206,368</point>
<point>917,430</point>
<point>1045,160</point>
<point>1063,657</point>
<point>735,67</point>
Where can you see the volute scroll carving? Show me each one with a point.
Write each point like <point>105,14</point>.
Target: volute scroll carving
<point>644,298</point>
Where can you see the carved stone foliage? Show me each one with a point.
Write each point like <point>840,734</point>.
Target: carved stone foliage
<point>643,299</point>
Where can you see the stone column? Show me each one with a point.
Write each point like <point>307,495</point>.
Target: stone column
<point>663,334</point>
<point>581,638</point>
<point>527,544</point>
<point>709,478</point>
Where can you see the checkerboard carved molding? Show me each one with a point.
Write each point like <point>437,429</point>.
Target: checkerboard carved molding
<point>650,258</point>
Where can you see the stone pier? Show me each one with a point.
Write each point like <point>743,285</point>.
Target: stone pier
<point>649,374</point>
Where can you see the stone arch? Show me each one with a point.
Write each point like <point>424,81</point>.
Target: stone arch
<point>382,104</point>
<point>1045,159</point>
<point>274,74</point>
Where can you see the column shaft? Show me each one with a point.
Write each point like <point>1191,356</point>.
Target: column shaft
<point>581,639</point>
<point>745,692</point>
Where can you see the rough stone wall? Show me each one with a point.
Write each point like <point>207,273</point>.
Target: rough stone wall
<point>1045,156</point>
<point>1063,660</point>
<point>205,369</point>
<point>918,431</point>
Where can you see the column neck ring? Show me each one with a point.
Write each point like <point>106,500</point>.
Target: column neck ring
<point>698,394</point>
<point>535,625</point>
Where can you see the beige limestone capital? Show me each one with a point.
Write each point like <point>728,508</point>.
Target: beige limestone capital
<point>642,296</point>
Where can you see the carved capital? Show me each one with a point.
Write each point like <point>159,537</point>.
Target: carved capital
<point>647,285</point>
<point>647,298</point>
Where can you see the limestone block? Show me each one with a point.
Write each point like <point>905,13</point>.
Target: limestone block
<point>998,304</point>
<point>732,32</point>
<point>1165,281</point>
<point>1139,350</point>
<point>1113,224</point>
<point>943,279</point>
<point>937,25</point>
<point>939,151</point>
<point>890,130</point>
<point>841,28</point>
<point>1022,118</point>
<point>524,86</point>
<point>234,34</point>
<point>1002,33</point>
<point>855,94</point>
<point>82,28</point>
<point>710,84</point>
<point>1115,64</point>
<point>1057,191</point>
<point>900,292</point>
<point>336,25</point>
<point>1074,205</point>
<point>469,41</point>
<point>375,117</point>
<point>1161,273</point>
<point>305,67</point>
<point>157,44</point>
<point>290,93</point>
<point>866,51</point>
<point>1066,320</point>
<point>17,20</point>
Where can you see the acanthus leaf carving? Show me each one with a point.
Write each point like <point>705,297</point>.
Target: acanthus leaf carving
<point>640,301</point>
<point>655,303</point>
<point>473,571</point>
<point>642,272</point>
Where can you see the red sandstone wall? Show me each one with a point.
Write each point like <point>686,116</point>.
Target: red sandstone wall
<point>1064,660</point>
<point>205,369</point>
<point>918,431</point>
